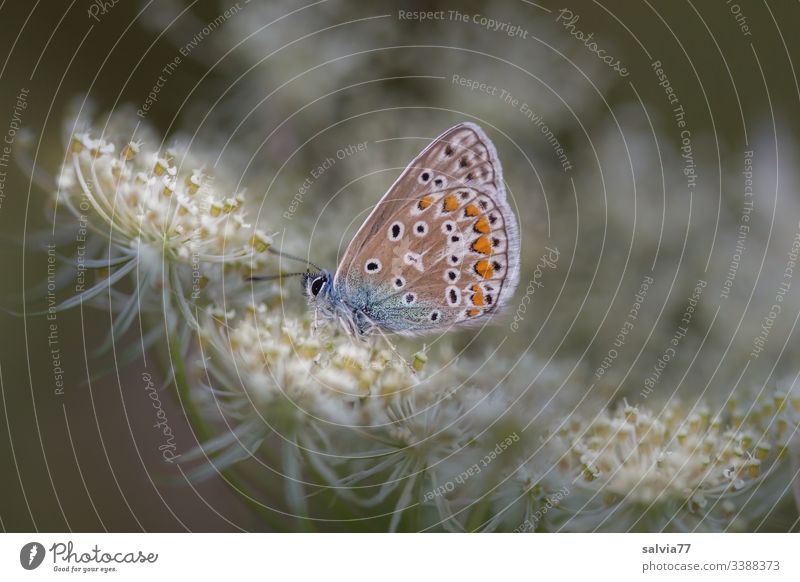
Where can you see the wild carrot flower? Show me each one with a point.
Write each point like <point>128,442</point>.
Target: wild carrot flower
<point>681,469</point>
<point>163,218</point>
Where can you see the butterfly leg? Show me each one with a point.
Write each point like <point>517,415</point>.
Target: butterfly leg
<point>316,324</point>
<point>394,350</point>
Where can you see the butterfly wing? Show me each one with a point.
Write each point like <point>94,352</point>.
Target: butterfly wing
<point>442,245</point>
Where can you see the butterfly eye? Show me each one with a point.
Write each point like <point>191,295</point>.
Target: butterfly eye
<point>316,285</point>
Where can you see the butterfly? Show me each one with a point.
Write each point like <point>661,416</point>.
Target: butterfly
<point>439,250</point>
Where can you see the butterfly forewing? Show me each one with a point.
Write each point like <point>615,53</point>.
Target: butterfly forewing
<point>442,246</point>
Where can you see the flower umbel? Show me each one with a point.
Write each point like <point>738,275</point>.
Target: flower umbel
<point>678,470</point>
<point>162,215</point>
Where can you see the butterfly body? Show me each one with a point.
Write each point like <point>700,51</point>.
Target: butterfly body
<point>364,309</point>
<point>440,249</point>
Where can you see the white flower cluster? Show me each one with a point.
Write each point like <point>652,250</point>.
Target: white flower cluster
<point>680,469</point>
<point>444,443</point>
<point>163,220</point>
<point>271,357</point>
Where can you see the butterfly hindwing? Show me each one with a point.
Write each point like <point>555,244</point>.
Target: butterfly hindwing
<point>441,248</point>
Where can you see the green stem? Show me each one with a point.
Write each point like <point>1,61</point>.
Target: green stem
<point>203,433</point>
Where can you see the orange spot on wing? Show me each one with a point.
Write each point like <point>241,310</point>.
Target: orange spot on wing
<point>482,245</point>
<point>450,203</point>
<point>477,297</point>
<point>482,225</point>
<point>473,312</point>
<point>484,269</point>
<point>472,210</point>
<point>424,202</point>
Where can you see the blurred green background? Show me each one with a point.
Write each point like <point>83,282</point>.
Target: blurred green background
<point>273,88</point>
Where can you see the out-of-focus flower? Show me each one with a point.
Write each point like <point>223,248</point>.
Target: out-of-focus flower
<point>681,470</point>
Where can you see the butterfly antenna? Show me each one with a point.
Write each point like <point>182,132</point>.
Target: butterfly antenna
<point>273,277</point>
<point>292,257</point>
